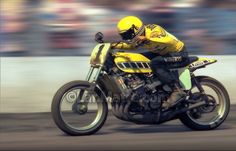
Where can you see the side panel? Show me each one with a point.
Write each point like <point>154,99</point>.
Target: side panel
<point>132,62</point>
<point>185,78</point>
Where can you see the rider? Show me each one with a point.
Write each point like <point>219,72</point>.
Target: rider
<point>165,51</point>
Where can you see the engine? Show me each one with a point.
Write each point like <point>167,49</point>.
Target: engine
<point>141,91</point>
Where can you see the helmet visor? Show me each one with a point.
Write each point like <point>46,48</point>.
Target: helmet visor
<point>128,35</point>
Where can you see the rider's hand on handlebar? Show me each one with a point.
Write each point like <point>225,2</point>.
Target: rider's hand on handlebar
<point>141,40</point>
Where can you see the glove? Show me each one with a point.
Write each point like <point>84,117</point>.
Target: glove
<point>141,40</point>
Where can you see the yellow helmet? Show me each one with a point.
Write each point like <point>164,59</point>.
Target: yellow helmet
<point>130,27</point>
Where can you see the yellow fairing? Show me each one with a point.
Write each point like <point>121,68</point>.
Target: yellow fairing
<point>132,62</point>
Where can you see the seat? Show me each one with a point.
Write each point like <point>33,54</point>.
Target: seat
<point>192,59</point>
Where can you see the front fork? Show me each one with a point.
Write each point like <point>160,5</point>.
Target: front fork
<point>92,76</point>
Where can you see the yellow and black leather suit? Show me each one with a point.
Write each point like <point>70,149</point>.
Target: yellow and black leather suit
<point>165,51</point>
<point>158,41</point>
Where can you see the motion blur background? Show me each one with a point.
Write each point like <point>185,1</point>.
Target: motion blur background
<point>67,27</point>
<point>46,43</point>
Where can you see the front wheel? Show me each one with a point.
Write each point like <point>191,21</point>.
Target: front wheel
<point>213,114</point>
<point>79,110</point>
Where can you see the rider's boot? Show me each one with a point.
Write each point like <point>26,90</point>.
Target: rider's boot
<point>177,95</point>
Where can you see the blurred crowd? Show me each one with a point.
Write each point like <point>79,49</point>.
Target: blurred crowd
<point>67,27</point>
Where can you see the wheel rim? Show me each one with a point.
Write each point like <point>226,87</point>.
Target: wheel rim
<point>76,117</point>
<point>218,113</point>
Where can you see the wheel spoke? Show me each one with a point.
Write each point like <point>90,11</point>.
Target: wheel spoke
<point>82,111</point>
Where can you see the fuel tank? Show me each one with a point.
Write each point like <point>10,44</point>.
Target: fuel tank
<point>132,62</point>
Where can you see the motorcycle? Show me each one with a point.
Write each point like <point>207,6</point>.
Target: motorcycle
<point>125,82</point>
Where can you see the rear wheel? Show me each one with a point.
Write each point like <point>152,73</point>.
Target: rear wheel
<point>213,114</point>
<point>77,110</point>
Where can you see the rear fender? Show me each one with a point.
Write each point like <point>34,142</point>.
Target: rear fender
<point>201,63</point>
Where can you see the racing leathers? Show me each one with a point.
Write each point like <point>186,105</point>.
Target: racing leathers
<point>165,52</point>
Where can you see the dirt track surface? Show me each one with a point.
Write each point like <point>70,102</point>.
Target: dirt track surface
<point>37,131</point>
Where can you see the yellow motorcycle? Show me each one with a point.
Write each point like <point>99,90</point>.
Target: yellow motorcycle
<point>124,82</point>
